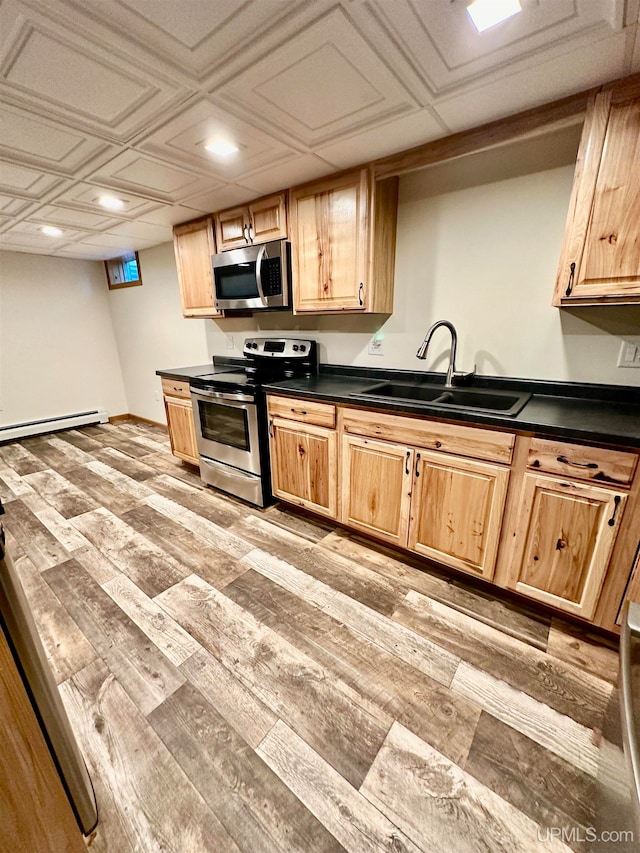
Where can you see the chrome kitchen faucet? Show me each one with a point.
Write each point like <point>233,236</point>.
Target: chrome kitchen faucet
<point>452,375</point>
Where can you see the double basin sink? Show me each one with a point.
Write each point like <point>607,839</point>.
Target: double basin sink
<point>484,400</point>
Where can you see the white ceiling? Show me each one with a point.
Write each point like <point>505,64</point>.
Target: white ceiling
<point>121,95</point>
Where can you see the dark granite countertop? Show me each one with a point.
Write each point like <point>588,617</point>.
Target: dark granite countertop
<point>608,414</point>
<point>218,365</point>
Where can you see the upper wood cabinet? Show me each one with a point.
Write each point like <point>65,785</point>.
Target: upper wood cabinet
<point>600,258</point>
<point>343,234</point>
<point>258,222</point>
<point>193,245</point>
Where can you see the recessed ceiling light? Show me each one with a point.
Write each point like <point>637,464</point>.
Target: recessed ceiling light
<point>51,231</point>
<point>221,147</point>
<point>488,13</point>
<point>111,202</point>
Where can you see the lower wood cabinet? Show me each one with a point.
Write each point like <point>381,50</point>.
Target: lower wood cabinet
<point>564,541</point>
<point>182,433</point>
<point>456,511</point>
<point>304,465</point>
<point>179,412</point>
<point>557,543</point>
<point>376,487</point>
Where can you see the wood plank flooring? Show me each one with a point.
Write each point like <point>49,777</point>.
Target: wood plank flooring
<point>249,681</point>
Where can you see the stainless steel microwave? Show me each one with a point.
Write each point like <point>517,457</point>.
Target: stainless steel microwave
<point>253,278</point>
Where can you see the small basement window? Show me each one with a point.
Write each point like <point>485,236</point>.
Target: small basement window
<point>123,271</point>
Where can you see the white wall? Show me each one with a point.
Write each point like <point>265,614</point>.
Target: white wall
<point>151,332</point>
<point>58,352</point>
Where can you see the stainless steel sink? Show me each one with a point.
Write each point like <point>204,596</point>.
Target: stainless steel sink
<point>470,399</point>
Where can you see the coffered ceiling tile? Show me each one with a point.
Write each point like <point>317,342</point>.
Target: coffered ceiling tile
<point>384,139</point>
<point>115,243</point>
<point>28,233</point>
<point>71,218</point>
<point>306,167</point>
<point>25,182</point>
<point>183,139</point>
<point>143,231</point>
<point>84,196</point>
<point>555,78</point>
<point>205,35</point>
<point>444,45</point>
<point>324,82</point>
<point>217,199</point>
<point>170,214</point>
<point>35,141</point>
<point>59,71</point>
<point>89,253</point>
<point>135,172</point>
<point>13,206</point>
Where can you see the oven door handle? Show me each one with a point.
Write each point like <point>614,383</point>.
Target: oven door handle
<point>220,395</point>
<point>261,253</point>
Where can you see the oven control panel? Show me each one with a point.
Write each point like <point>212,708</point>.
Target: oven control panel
<point>278,348</point>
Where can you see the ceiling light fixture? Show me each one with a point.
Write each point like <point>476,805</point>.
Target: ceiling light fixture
<point>488,13</point>
<point>111,202</point>
<point>51,231</point>
<point>221,147</point>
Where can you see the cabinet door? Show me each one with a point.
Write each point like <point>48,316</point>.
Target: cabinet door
<point>193,245</point>
<point>600,261</point>
<point>330,234</point>
<point>268,219</point>
<point>564,542</point>
<point>34,806</point>
<point>376,488</point>
<point>304,465</point>
<point>456,511</point>
<point>182,432</point>
<point>232,228</point>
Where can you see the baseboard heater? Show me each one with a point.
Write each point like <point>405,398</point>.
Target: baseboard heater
<point>13,431</point>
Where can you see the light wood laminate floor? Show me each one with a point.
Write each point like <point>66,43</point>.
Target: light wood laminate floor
<point>258,681</point>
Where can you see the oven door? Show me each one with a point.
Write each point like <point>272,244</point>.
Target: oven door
<point>227,428</point>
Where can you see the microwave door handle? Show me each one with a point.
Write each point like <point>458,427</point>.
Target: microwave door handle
<point>261,253</point>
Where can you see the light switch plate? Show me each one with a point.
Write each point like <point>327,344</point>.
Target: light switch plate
<point>376,344</point>
<point>629,354</point>
<point>228,341</point>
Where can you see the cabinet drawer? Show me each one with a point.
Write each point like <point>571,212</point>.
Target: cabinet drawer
<point>580,462</point>
<point>473,442</point>
<point>306,411</point>
<point>175,387</point>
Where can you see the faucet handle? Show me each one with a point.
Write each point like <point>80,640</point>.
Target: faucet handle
<point>461,378</point>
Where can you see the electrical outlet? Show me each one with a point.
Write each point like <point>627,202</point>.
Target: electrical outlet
<point>376,344</point>
<point>228,341</point>
<point>157,396</point>
<point>629,354</point>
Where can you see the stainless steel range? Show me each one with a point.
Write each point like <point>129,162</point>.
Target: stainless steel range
<point>230,414</point>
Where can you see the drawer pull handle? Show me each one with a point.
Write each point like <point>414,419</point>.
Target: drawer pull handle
<point>566,461</point>
<point>406,464</point>
<point>570,282</point>
<point>417,464</point>
<point>437,445</point>
<point>299,411</point>
<point>612,520</point>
